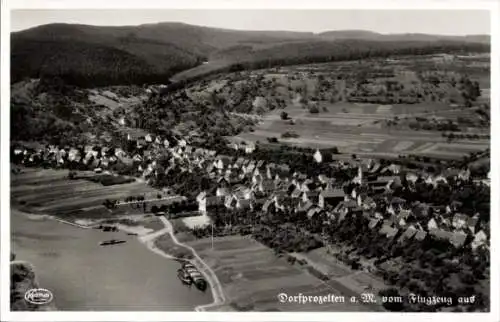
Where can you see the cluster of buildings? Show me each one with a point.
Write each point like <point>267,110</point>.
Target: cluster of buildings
<point>246,184</point>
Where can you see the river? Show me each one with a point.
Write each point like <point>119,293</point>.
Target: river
<point>84,276</point>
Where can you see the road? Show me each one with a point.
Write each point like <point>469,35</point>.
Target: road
<point>217,292</point>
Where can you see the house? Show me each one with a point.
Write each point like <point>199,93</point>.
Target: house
<point>182,143</point>
<point>385,181</point>
<point>266,186</point>
<point>249,148</point>
<point>304,206</point>
<point>464,175</point>
<point>267,205</point>
<point>359,177</point>
<point>318,157</point>
<point>96,163</point>
<point>375,167</point>
<point>223,182</point>
<point>330,215</point>
<point>420,235</point>
<point>460,221</point>
<point>301,177</point>
<point>312,196</point>
<point>244,204</point>
<point>269,173</point>
<point>409,233</point>
<point>473,223</point>
<point>432,224</point>
<point>458,239</point>
<point>366,202</point>
<point>441,234</point>
<point>104,162</point>
<point>420,210</point>
<point>210,168</point>
<point>219,164</point>
<point>313,212</point>
<point>394,168</point>
<point>222,191</point>
<point>243,192</point>
<point>280,198</point>
<point>239,162</point>
<point>230,201</point>
<point>480,239</point>
<point>323,179</point>
<point>304,185</point>
<point>205,203</point>
<point>373,223</point>
<point>411,177</point>
<point>257,178</point>
<point>350,204</point>
<point>283,169</point>
<point>296,193</point>
<point>330,197</point>
<point>259,203</point>
<point>250,167</point>
<point>388,231</point>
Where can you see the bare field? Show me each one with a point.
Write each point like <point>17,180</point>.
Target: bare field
<point>253,277</point>
<point>355,128</point>
<point>50,192</point>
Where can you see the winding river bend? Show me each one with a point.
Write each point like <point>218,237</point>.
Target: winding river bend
<point>84,276</point>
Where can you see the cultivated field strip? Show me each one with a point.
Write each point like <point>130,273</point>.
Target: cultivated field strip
<point>252,275</point>
<point>52,192</point>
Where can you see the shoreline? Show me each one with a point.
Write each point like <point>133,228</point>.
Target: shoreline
<point>148,240</point>
<point>217,292</point>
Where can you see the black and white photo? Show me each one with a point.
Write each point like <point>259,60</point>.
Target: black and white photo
<point>248,160</point>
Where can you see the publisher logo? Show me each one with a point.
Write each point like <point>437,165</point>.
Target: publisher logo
<point>38,296</point>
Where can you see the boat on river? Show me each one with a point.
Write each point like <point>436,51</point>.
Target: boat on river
<point>111,242</point>
<point>189,275</point>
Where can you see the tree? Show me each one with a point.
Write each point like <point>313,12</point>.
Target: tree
<point>284,115</point>
<point>313,110</point>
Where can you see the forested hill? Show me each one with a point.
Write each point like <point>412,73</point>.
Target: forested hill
<point>95,56</point>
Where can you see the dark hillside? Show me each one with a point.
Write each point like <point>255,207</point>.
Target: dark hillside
<point>94,55</point>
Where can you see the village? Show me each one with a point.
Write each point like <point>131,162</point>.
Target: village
<point>238,195</point>
<point>242,183</point>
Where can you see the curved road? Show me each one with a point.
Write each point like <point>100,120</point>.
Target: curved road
<point>217,292</point>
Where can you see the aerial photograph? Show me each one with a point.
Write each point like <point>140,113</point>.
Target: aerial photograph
<point>249,160</point>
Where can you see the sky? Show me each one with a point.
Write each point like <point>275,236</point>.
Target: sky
<point>444,22</point>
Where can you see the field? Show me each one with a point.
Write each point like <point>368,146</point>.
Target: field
<point>373,128</point>
<point>253,277</point>
<point>355,131</point>
<point>50,192</point>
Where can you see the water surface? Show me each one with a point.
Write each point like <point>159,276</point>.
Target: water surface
<point>83,275</point>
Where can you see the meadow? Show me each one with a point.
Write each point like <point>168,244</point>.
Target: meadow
<point>252,276</point>
<point>51,192</point>
<point>377,129</point>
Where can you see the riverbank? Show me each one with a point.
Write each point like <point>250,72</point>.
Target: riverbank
<point>23,279</point>
<point>167,242</point>
<point>82,275</point>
